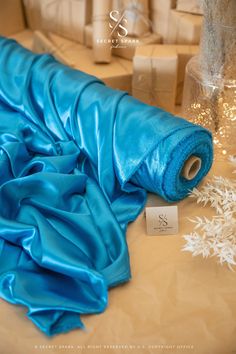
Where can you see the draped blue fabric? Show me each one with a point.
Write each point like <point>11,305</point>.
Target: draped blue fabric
<point>76,161</point>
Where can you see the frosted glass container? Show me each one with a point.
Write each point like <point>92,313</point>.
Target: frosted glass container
<point>210,101</point>
<point>209,97</point>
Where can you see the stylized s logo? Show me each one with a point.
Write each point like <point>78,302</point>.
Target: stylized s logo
<point>163,220</point>
<point>121,30</point>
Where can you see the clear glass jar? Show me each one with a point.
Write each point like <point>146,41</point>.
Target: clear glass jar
<point>212,104</point>
<point>209,97</point>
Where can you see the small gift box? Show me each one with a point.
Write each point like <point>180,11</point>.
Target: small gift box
<point>185,53</point>
<point>25,38</point>
<point>101,31</point>
<point>133,15</point>
<point>89,35</point>
<point>136,15</point>
<point>191,6</point>
<point>42,44</point>
<point>66,17</point>
<point>155,76</point>
<point>160,13</point>
<point>184,28</point>
<point>126,46</point>
<point>33,14</point>
<point>159,72</point>
<point>11,17</point>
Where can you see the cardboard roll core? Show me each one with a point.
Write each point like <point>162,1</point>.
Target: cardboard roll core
<point>191,167</point>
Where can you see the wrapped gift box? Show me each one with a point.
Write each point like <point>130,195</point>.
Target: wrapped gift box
<point>41,44</point>
<point>184,28</point>
<point>65,17</point>
<point>136,14</point>
<point>11,17</point>
<point>127,46</point>
<point>33,14</point>
<point>89,35</point>
<point>64,45</point>
<point>185,53</point>
<point>160,13</point>
<point>155,76</point>
<point>25,38</point>
<point>159,74</point>
<point>101,33</point>
<point>117,74</point>
<point>191,6</point>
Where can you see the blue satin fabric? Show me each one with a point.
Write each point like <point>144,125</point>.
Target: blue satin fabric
<point>76,160</point>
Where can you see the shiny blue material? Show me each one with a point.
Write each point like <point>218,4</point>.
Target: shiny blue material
<point>76,160</point>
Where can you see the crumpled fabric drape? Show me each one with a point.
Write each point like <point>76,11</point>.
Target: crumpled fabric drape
<point>76,161</point>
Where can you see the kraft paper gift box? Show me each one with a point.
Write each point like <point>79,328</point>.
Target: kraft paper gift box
<point>25,38</point>
<point>101,31</point>
<point>67,18</point>
<point>185,53</point>
<point>161,82</point>
<point>11,17</point>
<point>89,35</point>
<point>32,9</point>
<point>184,28</point>
<point>160,13</point>
<point>64,45</point>
<point>117,74</point>
<point>135,14</point>
<point>191,6</point>
<point>42,44</point>
<point>155,76</point>
<point>127,45</point>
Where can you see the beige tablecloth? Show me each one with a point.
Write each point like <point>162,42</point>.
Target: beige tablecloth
<point>175,303</point>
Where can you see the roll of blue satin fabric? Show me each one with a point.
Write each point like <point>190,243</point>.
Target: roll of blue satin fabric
<point>77,159</point>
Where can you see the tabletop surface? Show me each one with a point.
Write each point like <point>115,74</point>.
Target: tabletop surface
<point>174,303</point>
